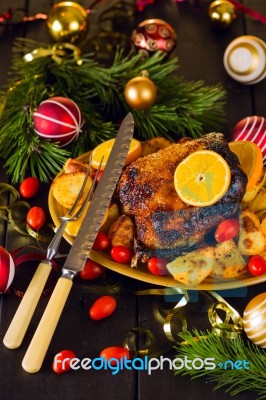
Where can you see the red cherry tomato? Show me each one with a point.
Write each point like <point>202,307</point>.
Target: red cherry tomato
<point>226,230</point>
<point>29,187</point>
<point>62,361</point>
<point>257,265</point>
<point>157,266</point>
<point>36,218</point>
<point>102,307</point>
<point>92,270</point>
<point>117,352</point>
<point>101,242</point>
<point>121,254</point>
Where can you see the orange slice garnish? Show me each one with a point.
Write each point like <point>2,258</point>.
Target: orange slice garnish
<point>202,178</point>
<point>251,160</point>
<point>103,150</point>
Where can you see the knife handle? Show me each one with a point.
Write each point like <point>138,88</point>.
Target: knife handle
<point>37,349</point>
<point>24,313</point>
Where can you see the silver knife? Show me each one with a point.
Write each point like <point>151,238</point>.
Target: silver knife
<point>81,248</point>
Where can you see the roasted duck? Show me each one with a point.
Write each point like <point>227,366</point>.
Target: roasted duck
<point>164,225</point>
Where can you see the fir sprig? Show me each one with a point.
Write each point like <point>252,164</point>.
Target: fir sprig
<point>182,108</point>
<point>234,381</point>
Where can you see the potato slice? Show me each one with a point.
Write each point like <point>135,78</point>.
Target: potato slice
<point>258,204</point>
<point>251,237</point>
<point>228,262</point>
<point>192,268</point>
<point>121,232</point>
<point>66,188</point>
<point>113,214</point>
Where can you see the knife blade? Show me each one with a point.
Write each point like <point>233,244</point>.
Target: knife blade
<point>81,247</point>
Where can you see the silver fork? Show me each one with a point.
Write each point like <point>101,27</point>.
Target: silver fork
<point>21,320</point>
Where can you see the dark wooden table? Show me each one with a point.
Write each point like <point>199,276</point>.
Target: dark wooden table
<point>200,50</point>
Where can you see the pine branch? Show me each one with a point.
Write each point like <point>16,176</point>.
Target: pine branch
<point>181,109</point>
<point>234,381</point>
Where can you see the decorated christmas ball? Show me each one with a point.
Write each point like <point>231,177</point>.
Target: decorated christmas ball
<point>152,35</point>
<point>58,119</point>
<point>252,129</point>
<point>7,269</point>
<point>67,22</point>
<point>254,320</point>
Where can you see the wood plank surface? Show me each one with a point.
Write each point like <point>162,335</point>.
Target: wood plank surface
<point>200,50</point>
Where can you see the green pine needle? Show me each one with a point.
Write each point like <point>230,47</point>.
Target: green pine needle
<point>181,109</point>
<point>233,381</point>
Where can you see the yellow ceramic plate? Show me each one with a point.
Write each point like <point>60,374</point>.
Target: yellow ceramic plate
<point>142,273</point>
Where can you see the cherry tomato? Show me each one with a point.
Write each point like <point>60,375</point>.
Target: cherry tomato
<point>257,265</point>
<point>157,266</point>
<point>36,218</point>
<point>29,187</point>
<point>102,307</point>
<point>92,270</point>
<point>117,352</point>
<point>121,254</point>
<point>101,242</point>
<point>227,229</point>
<point>62,360</point>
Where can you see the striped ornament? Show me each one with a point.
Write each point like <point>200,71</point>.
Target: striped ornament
<point>254,320</point>
<point>58,119</point>
<point>7,269</point>
<point>252,129</point>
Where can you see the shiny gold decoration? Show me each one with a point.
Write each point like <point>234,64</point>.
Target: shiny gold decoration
<point>140,92</point>
<point>67,22</point>
<point>131,342</point>
<point>58,52</point>
<point>230,326</point>
<point>222,13</point>
<point>254,319</point>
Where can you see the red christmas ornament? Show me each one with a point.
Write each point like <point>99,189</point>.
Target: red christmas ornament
<point>152,35</point>
<point>58,119</point>
<point>252,129</point>
<point>7,269</point>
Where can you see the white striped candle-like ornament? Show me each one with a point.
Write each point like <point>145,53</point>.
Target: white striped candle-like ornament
<point>254,320</point>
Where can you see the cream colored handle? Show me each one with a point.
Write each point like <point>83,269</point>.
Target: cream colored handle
<point>37,349</point>
<point>24,313</point>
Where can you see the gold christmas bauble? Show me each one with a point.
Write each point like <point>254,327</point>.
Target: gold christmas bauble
<point>140,93</point>
<point>67,22</point>
<point>254,320</point>
<point>222,13</point>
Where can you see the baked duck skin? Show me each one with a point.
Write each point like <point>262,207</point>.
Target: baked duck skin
<point>164,225</point>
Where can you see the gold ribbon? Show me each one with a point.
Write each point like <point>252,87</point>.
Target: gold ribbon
<point>58,52</point>
<point>9,214</point>
<point>232,324</point>
<point>130,342</point>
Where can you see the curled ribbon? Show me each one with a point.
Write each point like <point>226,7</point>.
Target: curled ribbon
<point>130,342</point>
<point>58,52</point>
<point>12,214</point>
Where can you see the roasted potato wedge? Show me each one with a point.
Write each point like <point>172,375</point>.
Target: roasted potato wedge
<point>121,232</point>
<point>112,216</point>
<point>228,262</point>
<point>251,237</point>
<point>153,145</point>
<point>258,204</point>
<point>66,188</point>
<point>192,268</point>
